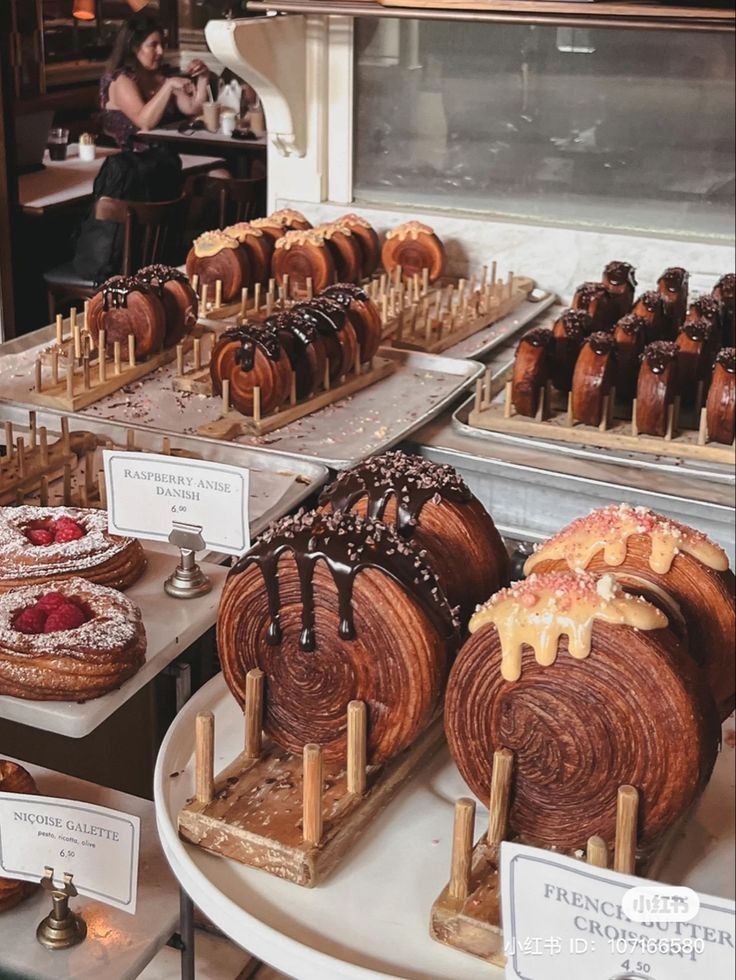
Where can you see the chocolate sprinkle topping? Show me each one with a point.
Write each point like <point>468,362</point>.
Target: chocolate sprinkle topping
<point>587,292</point>
<point>576,323</point>
<point>697,329</point>
<point>726,357</point>
<point>251,336</point>
<point>726,286</point>
<point>411,480</point>
<point>620,273</point>
<point>650,300</point>
<point>538,337</point>
<point>632,324</point>
<point>157,275</point>
<point>601,342</point>
<point>707,307</point>
<point>659,354</point>
<point>347,544</point>
<point>674,279</point>
<point>115,291</point>
<point>344,292</point>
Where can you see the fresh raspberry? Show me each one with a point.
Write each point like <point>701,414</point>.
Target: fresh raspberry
<point>40,536</point>
<point>50,600</point>
<point>66,617</point>
<point>30,620</point>
<point>66,529</point>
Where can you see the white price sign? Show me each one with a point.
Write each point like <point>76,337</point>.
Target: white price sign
<point>565,918</point>
<point>147,492</point>
<point>97,845</point>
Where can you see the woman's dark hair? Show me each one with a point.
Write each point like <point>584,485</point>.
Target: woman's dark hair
<point>131,36</point>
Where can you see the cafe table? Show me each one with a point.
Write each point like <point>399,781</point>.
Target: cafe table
<point>239,154</point>
<point>62,183</point>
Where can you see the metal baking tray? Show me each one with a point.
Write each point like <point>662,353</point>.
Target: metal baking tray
<point>278,483</point>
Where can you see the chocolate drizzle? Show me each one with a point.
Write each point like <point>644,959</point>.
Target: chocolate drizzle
<point>115,291</point>
<point>158,275</point>
<point>620,274</point>
<point>586,293</point>
<point>600,342</point>
<point>344,293</point>
<point>325,315</point>
<point>538,337</point>
<point>706,307</point>
<point>651,301</point>
<point>411,480</point>
<point>726,357</point>
<point>659,354</point>
<point>576,323</point>
<point>250,337</point>
<point>697,329</point>
<point>674,279</point>
<point>632,324</point>
<point>299,327</point>
<point>726,287</point>
<point>347,544</point>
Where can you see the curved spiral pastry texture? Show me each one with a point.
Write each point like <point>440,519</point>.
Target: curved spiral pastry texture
<point>637,543</point>
<point>215,256</point>
<point>593,377</point>
<point>304,255</point>
<point>251,356</point>
<point>126,305</point>
<point>720,410</point>
<point>335,608</point>
<point>531,371</point>
<point>181,305</point>
<point>414,247</point>
<point>431,506</point>
<point>581,718</point>
<point>656,387</point>
<point>370,244</point>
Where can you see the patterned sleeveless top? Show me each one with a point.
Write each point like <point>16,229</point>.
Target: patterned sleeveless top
<point>114,121</point>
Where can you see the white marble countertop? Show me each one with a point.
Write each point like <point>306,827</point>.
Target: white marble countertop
<point>118,945</point>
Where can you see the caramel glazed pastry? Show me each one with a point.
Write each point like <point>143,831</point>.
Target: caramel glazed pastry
<point>73,643</point>
<point>590,690</point>
<point>334,607</point>
<point>431,506</point>
<point>15,779</point>
<point>45,544</point>
<point>669,564</point>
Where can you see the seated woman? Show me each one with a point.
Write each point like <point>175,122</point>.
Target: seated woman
<point>136,93</point>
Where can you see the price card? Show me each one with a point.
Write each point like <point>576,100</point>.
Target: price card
<point>97,845</point>
<point>147,492</point>
<point>565,918</point>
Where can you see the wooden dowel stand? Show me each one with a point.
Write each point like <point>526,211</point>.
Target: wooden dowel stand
<point>627,812</point>
<point>597,852</point>
<point>204,757</point>
<point>498,816</point>
<point>254,682</point>
<point>462,849</point>
<point>312,801</point>
<point>357,747</point>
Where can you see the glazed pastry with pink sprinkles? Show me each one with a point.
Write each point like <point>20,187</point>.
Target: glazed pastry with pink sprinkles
<point>73,641</point>
<point>47,544</point>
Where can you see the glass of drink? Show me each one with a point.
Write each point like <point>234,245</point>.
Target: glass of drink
<point>58,143</point>
<point>211,113</point>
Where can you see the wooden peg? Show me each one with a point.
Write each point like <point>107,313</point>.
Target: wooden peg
<point>326,380</point>
<point>597,852</point>
<point>569,418</point>
<point>284,291</point>
<point>494,269</point>
<point>67,485</point>
<point>384,309</point>
<point>20,455</point>
<point>462,849</point>
<point>166,446</point>
<point>225,396</point>
<point>292,389</point>
<point>39,375</point>
<point>85,372</point>
<point>544,401</point>
<point>195,282</point>
<point>43,491</point>
<point>634,424</point>
<point>243,300</point>
<point>54,366</point>
<point>425,281</point>
<point>66,446</point>
<point>102,489</point>
<point>310,288</point>
<point>703,427</point>
<point>180,359</point>
<point>356,362</point>
<point>86,316</point>
<point>130,440</point>
<point>218,294</point>
<point>76,337</point>
<point>204,757</point>
<point>270,299</point>
<point>102,357</point>
<point>256,297</point>
<point>197,353</point>
<point>487,387</point>
<point>59,329</point>
<point>203,299</point>
<point>627,812</point>
<point>254,683</point>
<point>670,430</point>
<point>44,445</point>
<point>503,765</point>
<point>603,424</point>
<point>483,277</point>
<point>357,747</point>
<point>312,800</point>
<point>131,350</point>
<point>478,396</point>
<point>257,404</point>
<point>117,357</point>
<point>507,403</point>
<point>70,380</point>
<point>9,440</point>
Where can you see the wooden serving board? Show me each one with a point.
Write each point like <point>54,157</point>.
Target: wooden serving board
<point>616,432</point>
<point>255,815</point>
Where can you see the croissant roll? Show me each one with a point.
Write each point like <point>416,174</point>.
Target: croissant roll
<point>258,248</point>
<point>180,302</point>
<point>568,333</point>
<point>431,506</point>
<point>414,247</point>
<point>598,303</point>
<point>656,387</point>
<point>629,339</point>
<point>590,690</point>
<point>336,331</point>
<point>15,779</point>
<point>362,313</point>
<point>619,278</point>
<point>720,409</point>
<point>216,256</point>
<point>725,293</point>
<point>303,255</point>
<point>305,349</point>
<point>593,378</point>
<point>334,608</point>
<point>346,252</point>
<point>251,357</point>
<point>673,288</point>
<point>649,551</point>
<point>124,306</point>
<point>650,307</point>
<point>695,358</point>
<point>370,245</point>
<point>531,370</point>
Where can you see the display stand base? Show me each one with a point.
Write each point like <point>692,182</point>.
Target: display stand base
<point>290,816</point>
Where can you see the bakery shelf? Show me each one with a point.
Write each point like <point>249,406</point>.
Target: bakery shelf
<point>171,626</point>
<point>118,944</point>
<point>641,16</point>
<point>371,917</point>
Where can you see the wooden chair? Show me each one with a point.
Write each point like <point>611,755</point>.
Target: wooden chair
<point>236,199</point>
<point>152,232</point>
